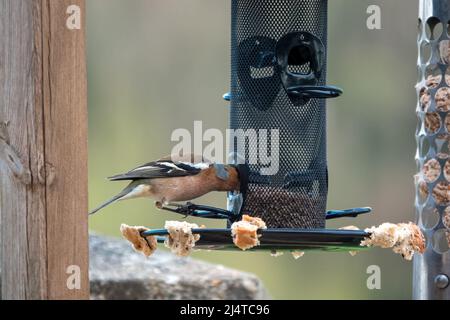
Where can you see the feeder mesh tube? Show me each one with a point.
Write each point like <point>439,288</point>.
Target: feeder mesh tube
<point>432,269</point>
<point>295,196</point>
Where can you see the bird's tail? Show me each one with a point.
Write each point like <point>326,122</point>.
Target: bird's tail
<point>112,200</point>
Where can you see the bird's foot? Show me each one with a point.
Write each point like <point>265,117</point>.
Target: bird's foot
<point>185,209</point>
<point>195,210</point>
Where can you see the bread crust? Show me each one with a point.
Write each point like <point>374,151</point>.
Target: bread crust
<point>403,238</point>
<point>245,232</point>
<point>145,245</point>
<point>181,240</point>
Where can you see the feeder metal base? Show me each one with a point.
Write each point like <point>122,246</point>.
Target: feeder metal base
<point>278,239</point>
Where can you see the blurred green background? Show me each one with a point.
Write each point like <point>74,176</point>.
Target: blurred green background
<point>158,65</point>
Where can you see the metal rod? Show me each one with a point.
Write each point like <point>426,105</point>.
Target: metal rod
<point>432,269</point>
<point>277,239</point>
<point>353,213</point>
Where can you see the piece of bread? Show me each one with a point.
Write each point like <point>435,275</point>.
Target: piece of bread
<point>254,221</point>
<point>181,240</point>
<point>275,253</point>
<point>145,245</point>
<point>245,232</point>
<point>403,238</point>
<point>297,254</point>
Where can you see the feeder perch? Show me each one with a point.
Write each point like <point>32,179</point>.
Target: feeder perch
<point>432,269</point>
<point>278,82</point>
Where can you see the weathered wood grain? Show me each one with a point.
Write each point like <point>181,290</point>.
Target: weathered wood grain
<point>43,150</point>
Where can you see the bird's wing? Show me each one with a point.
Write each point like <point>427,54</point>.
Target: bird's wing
<point>161,169</point>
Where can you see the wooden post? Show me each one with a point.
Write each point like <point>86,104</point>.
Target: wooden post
<point>43,150</point>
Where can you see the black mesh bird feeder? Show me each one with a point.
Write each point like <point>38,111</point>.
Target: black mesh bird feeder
<point>278,82</point>
<point>278,103</point>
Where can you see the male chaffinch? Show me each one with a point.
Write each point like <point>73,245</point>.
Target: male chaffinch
<point>167,180</point>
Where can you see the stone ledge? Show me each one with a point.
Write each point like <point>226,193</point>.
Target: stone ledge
<point>118,272</point>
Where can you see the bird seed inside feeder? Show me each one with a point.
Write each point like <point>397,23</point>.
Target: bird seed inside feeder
<point>281,208</point>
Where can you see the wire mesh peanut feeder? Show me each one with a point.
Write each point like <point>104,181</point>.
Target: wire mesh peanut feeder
<point>431,270</point>
<point>278,82</point>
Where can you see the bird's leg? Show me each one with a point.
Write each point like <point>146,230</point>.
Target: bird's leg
<point>175,207</point>
<point>182,208</point>
<point>191,209</point>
